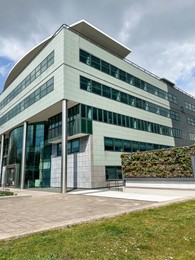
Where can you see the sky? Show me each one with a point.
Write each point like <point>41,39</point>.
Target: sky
<point>160,33</point>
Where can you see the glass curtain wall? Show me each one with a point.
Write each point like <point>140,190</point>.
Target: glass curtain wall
<point>15,150</point>
<point>38,155</point>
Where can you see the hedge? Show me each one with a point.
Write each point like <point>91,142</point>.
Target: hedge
<point>170,163</point>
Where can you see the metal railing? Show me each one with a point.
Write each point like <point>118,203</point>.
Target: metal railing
<point>115,183</point>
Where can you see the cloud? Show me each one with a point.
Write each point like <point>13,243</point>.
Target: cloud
<point>160,33</point>
<point>5,65</point>
<point>187,79</point>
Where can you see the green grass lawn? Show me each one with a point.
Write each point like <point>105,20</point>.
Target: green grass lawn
<point>162,233</point>
<point>6,193</point>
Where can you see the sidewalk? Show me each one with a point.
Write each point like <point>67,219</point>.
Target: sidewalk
<point>37,211</point>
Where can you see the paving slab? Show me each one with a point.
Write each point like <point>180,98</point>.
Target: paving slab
<point>137,194</point>
<point>41,211</point>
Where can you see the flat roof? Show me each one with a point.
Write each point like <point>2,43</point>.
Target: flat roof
<point>100,38</point>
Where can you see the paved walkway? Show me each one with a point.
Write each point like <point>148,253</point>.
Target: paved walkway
<point>37,211</point>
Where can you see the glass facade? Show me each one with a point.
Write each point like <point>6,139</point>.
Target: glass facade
<point>100,115</point>
<point>111,93</point>
<point>46,63</point>
<point>113,71</point>
<point>121,145</point>
<point>38,94</point>
<point>80,117</point>
<point>15,146</point>
<point>38,155</point>
<point>15,151</point>
<point>79,121</point>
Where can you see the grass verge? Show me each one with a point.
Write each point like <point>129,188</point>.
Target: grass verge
<point>6,193</point>
<point>162,233</point>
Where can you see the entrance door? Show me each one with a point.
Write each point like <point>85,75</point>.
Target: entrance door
<point>11,176</point>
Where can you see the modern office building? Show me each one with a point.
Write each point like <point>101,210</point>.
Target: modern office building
<point>73,103</point>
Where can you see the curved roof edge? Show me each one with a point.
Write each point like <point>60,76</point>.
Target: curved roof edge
<point>100,38</point>
<point>24,61</point>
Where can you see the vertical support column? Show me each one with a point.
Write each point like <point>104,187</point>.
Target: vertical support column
<point>64,147</point>
<point>23,156</point>
<point>1,158</point>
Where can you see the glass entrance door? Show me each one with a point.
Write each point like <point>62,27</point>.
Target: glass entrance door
<point>11,176</point>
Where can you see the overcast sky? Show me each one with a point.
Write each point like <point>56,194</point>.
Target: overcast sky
<point>160,33</point>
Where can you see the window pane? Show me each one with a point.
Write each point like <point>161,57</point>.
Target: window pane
<point>83,111</point>
<point>122,75</point>
<point>85,83</point>
<point>105,67</point>
<point>95,62</point>
<point>83,126</point>
<point>115,94</point>
<point>96,87</point>
<point>124,98</point>
<point>106,91</point>
<point>89,112</point>
<point>75,146</point>
<point>109,144</point>
<point>110,173</point>
<point>100,115</point>
<point>85,57</point>
<point>94,113</point>
<point>114,71</point>
<point>105,116</point>
<point>130,79</point>
<point>118,145</point>
<point>127,146</point>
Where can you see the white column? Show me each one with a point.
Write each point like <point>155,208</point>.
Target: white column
<point>1,157</point>
<point>23,165</point>
<point>64,147</point>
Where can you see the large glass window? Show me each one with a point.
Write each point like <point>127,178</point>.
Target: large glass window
<point>95,62</point>
<point>96,88</point>
<point>42,91</point>
<point>118,145</point>
<point>121,145</point>
<point>46,63</point>
<point>113,173</point>
<point>105,91</point>
<point>107,68</point>
<point>75,146</point>
<point>109,144</point>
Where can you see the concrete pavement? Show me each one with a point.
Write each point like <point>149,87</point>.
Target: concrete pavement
<point>36,211</point>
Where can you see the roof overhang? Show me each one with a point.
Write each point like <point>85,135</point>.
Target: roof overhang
<point>101,39</point>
